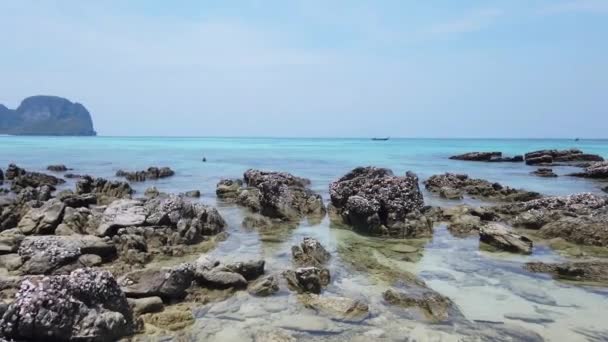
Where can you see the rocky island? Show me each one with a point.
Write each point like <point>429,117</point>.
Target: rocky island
<point>46,115</point>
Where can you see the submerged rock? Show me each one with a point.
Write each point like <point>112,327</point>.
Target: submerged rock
<point>168,283</point>
<point>57,168</point>
<point>84,305</point>
<point>450,182</point>
<point>152,172</point>
<point>593,271</point>
<point>310,253</point>
<point>307,279</point>
<point>544,172</point>
<point>264,286</point>
<point>337,308</point>
<point>376,202</point>
<point>434,306</point>
<point>499,236</point>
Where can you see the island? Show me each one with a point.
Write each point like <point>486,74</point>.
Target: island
<point>46,115</point>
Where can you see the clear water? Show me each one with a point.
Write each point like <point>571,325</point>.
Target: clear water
<point>486,286</point>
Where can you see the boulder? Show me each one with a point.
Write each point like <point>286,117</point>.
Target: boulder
<point>307,279</point>
<point>11,261</point>
<point>1,177</point>
<point>146,305</point>
<point>105,190</point>
<point>434,306</point>
<point>57,168</point>
<point>499,236</point>
<point>87,305</point>
<point>168,283</point>
<point>590,271</point>
<point>544,172</point>
<point>77,201</point>
<point>265,286</point>
<point>152,192</point>
<point>560,156</point>
<point>78,221</point>
<point>121,213</point>
<point>597,170</point>
<point>337,308</point>
<point>310,253</point>
<point>152,172</point>
<point>462,225</point>
<point>220,278</point>
<point>228,188</point>
<point>250,270</point>
<point>10,242</point>
<point>450,193</point>
<point>477,156</point>
<point>477,188</point>
<point>376,202</point>
<point>35,180</point>
<point>13,171</point>
<point>540,160</point>
<point>42,220</point>
<point>586,230</point>
<point>193,194</point>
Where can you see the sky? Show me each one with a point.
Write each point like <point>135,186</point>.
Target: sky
<point>315,68</point>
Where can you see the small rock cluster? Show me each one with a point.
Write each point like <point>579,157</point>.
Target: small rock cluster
<point>453,186</point>
<point>152,172</point>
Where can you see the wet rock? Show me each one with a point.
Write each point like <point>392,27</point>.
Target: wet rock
<point>1,177</point>
<point>544,159</point>
<point>42,220</point>
<point>250,270</point>
<point>307,279</point>
<point>152,172</point>
<point>605,189</point>
<point>220,278</point>
<point>273,336</point>
<point>152,192</point>
<point>462,225</point>
<point>265,286</point>
<point>228,188</point>
<point>146,305</point>
<point>560,156</point>
<point>477,156</point>
<point>308,323</point>
<point>376,202</point>
<point>60,254</point>
<point>587,230</point>
<point>499,236</point>
<point>544,172</point>
<point>477,188</point>
<point>86,304</point>
<point>72,175</point>
<point>193,194</point>
<point>450,193</point>
<point>257,221</point>
<point>310,253</point>
<point>106,191</point>
<point>172,318</point>
<point>11,261</point>
<point>590,271</point>
<point>595,170</point>
<point>337,308</point>
<point>57,168</point>
<point>121,213</point>
<point>169,283</point>
<point>433,305</point>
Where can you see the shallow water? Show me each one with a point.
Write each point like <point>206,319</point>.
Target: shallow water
<point>486,286</point>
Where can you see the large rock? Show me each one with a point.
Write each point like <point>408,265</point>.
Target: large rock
<point>477,156</point>
<point>310,253</point>
<point>591,271</point>
<point>152,172</point>
<point>499,236</point>
<point>13,171</point>
<point>1,177</point>
<point>376,202</point>
<point>42,220</point>
<point>596,170</point>
<point>434,306</point>
<point>337,308</point>
<point>571,156</point>
<point>61,254</point>
<point>586,230</point>
<point>307,279</point>
<point>106,190</point>
<point>477,188</point>
<point>122,213</point>
<point>228,188</point>
<point>34,180</point>
<point>265,286</point>
<point>85,305</point>
<point>169,283</point>
<point>46,115</point>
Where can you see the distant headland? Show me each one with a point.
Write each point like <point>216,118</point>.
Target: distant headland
<point>46,115</point>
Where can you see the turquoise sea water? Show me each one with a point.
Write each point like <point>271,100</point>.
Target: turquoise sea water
<point>486,286</point>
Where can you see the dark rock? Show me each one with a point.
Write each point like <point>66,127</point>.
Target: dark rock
<point>265,286</point>
<point>560,156</point>
<point>1,177</point>
<point>540,160</point>
<point>193,194</point>
<point>77,201</point>
<point>105,190</point>
<point>593,271</point>
<point>307,279</point>
<point>376,202</point>
<point>57,168</point>
<point>84,305</point>
<point>500,237</point>
<point>46,115</point>
<point>250,270</point>
<point>24,179</point>
<point>152,192</point>
<point>596,170</point>
<point>72,175</point>
<point>544,172</point>
<point>228,188</point>
<point>605,189</point>
<point>13,171</point>
<point>220,278</point>
<point>169,283</point>
<point>310,253</point>
<point>477,156</point>
<point>587,230</point>
<point>152,172</point>
<point>477,188</point>
<point>514,159</point>
<point>434,306</point>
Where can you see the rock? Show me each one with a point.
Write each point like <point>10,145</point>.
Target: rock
<point>500,237</point>
<point>72,175</point>
<point>337,308</point>
<point>595,170</point>
<point>106,190</point>
<point>590,271</point>
<point>375,202</point>
<point>514,159</point>
<point>57,168</point>
<point>477,188</point>
<point>13,171</point>
<point>151,192</point>
<point>86,304</point>
<point>152,172</point>
<point>9,243</point>
<point>544,172</point>
<point>76,201</point>
<point>121,213</point>
<point>434,306</point>
<point>228,188</point>
<point>307,279</point>
<point>540,160</point>
<point>477,156</point>
<point>307,323</point>
<point>220,278</point>
<point>265,286</point>
<point>60,254</point>
<point>560,156</point>
<point>193,194</point>
<point>42,220</point>
<point>310,253</point>
<point>146,305</point>
<point>46,115</point>
<point>250,270</point>
<point>529,318</point>
<point>257,221</point>
<point>172,318</point>
<point>273,336</point>
<point>11,261</point>
<point>462,225</point>
<point>605,189</point>
<point>35,180</point>
<point>400,248</point>
<point>587,230</point>
<point>1,177</point>
<point>281,195</point>
<point>450,193</point>
<point>169,283</point>
<point>78,221</point>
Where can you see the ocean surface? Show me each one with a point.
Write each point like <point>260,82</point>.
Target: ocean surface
<point>487,287</point>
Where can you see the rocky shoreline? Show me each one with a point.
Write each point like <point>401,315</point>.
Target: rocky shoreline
<point>83,263</point>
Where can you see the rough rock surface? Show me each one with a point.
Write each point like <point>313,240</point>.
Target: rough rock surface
<point>23,179</point>
<point>477,188</point>
<point>337,308</point>
<point>499,236</point>
<point>168,283</point>
<point>376,202</point>
<point>228,188</point>
<point>310,253</point>
<point>42,220</point>
<point>152,172</point>
<point>593,271</point>
<point>57,168</point>
<point>307,279</point>
<point>487,157</point>
<point>105,190</point>
<point>544,172</point>
<point>264,286</point>
<point>560,156</point>
<point>84,305</point>
<point>434,306</point>
<point>596,170</point>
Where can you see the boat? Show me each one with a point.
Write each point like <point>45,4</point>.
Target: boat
<point>380,139</point>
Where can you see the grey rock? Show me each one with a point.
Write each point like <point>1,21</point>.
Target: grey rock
<point>228,188</point>
<point>337,308</point>
<point>250,270</point>
<point>310,253</point>
<point>434,306</point>
<point>477,156</point>
<point>169,283</point>
<point>598,170</point>
<point>590,271</point>
<point>11,261</point>
<point>152,192</point>
<point>9,243</point>
<point>499,236</point>
<point>42,220</point>
<point>478,188</point>
<point>105,190</point>
<point>57,168</point>
<point>145,305</point>
<point>152,172</point>
<point>307,279</point>
<point>121,213</point>
<point>264,286</point>
<point>544,172</point>
<point>193,194</point>
<point>220,278</point>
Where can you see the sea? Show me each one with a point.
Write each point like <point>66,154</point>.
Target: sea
<point>490,288</point>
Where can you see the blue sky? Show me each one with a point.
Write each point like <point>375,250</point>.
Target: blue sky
<point>316,68</point>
